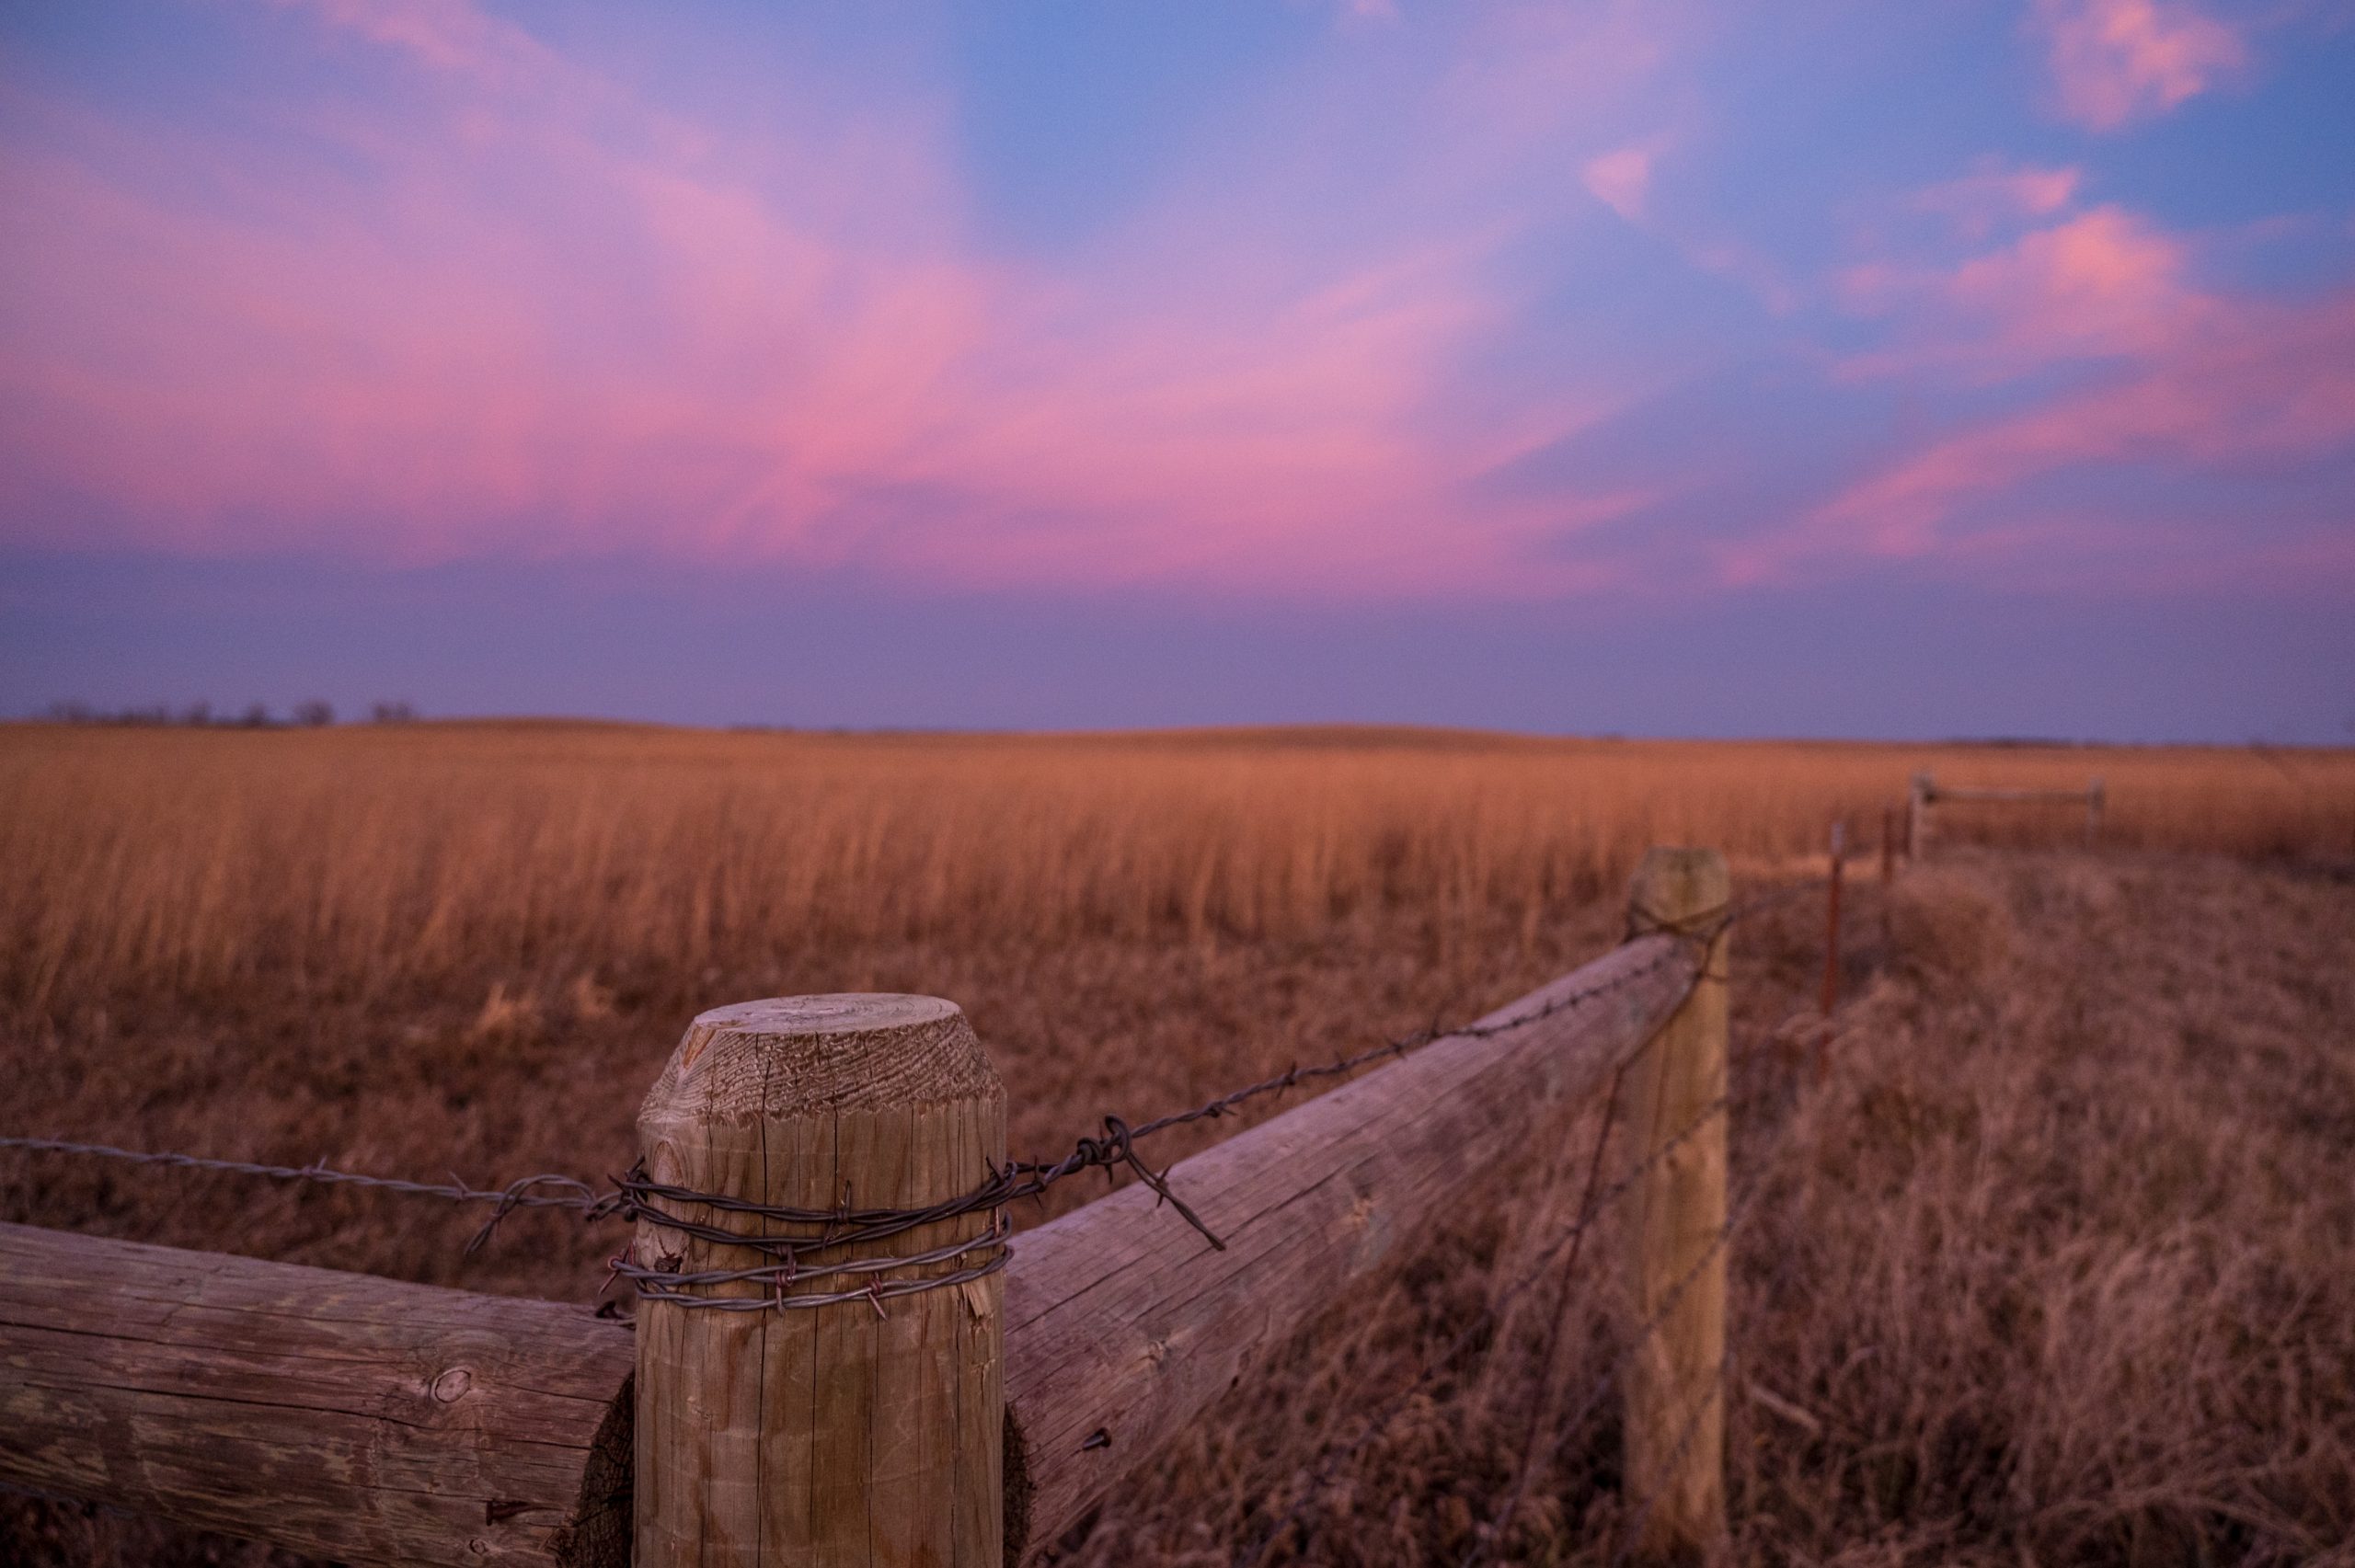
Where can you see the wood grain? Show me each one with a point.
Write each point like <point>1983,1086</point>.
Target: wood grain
<point>1123,1324</point>
<point>298,1405</point>
<point>352,1417</point>
<point>846,1432</point>
<point>1675,1426</point>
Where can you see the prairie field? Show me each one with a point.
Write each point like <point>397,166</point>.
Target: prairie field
<point>378,859</point>
<point>2056,1267</point>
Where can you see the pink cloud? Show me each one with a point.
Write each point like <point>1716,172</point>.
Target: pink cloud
<point>1621,179</point>
<point>445,35</point>
<point>530,317</point>
<point>2104,284</point>
<point>2161,376</point>
<point>2115,62</point>
<point>2246,385</point>
<point>1993,194</point>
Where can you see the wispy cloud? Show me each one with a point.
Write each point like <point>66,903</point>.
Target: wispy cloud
<point>1622,180</point>
<point>2259,386</point>
<point>1995,195</point>
<point>2102,285</point>
<point>650,352</point>
<point>2115,62</point>
<point>475,291</point>
<point>2171,379</point>
<point>443,35</point>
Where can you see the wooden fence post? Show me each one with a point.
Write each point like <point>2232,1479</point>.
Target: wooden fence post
<point>861,1431</point>
<point>1888,848</point>
<point>1917,818</point>
<point>1675,1417</point>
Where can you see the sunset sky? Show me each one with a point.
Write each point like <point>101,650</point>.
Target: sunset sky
<point>1821,369</point>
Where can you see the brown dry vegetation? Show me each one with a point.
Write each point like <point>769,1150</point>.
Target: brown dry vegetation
<point>185,863</point>
<point>2059,1266</point>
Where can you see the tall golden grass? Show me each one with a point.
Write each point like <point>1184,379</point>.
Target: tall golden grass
<point>2054,1267</point>
<point>188,861</point>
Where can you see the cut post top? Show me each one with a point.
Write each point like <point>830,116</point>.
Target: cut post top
<point>1675,886</point>
<point>798,1056</point>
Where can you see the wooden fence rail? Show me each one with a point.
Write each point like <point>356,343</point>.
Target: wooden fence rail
<point>363,1419</point>
<point>1927,792</point>
<point>374,1421</point>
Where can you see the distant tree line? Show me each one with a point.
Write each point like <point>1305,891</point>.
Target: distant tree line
<point>315,714</point>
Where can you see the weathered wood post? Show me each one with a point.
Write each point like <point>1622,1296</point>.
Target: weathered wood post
<point>1917,817</point>
<point>2095,796</point>
<point>868,1430</point>
<point>1888,847</point>
<point>1675,1421</point>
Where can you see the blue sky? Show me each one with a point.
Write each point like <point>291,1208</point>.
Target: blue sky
<point>1679,369</point>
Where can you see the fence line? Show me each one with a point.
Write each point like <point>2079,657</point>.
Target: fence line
<point>1490,1316</point>
<point>1926,791</point>
<point>1010,1181</point>
<point>1100,1339</point>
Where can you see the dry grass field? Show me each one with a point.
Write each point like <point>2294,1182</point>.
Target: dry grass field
<point>2057,1267</point>
<point>381,859</point>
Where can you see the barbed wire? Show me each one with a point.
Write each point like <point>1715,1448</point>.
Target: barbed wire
<point>1743,1205</point>
<point>1609,1377</point>
<point>1758,903</point>
<point>792,1261</point>
<point>1491,1533</point>
<point>1407,1044</point>
<point>523,1193</point>
<point>635,1196</point>
<point>1590,1211</point>
<point>1490,1312</point>
<point>1548,1373</point>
